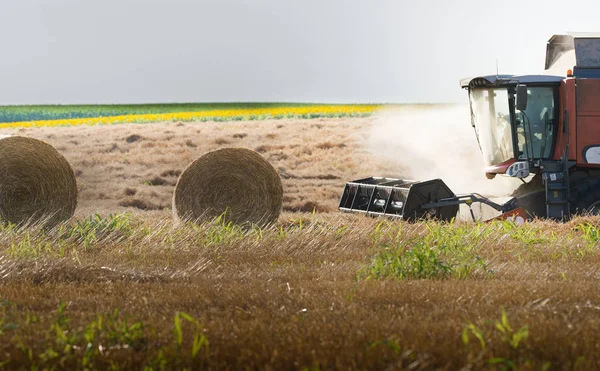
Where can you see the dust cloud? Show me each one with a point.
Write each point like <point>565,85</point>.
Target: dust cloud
<point>435,141</point>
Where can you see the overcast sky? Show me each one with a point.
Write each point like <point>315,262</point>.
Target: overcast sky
<point>129,51</point>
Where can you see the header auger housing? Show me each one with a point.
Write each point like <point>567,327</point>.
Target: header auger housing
<point>411,200</point>
<point>544,129</point>
<point>398,198</point>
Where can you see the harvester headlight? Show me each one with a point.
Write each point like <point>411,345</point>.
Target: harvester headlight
<point>518,169</point>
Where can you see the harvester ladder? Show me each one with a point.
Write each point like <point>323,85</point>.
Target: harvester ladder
<point>556,181</point>
<point>557,194</point>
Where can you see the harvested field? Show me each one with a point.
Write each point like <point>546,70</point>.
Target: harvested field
<point>135,166</point>
<point>317,290</point>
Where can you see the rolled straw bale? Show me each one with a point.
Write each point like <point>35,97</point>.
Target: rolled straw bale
<point>236,182</point>
<point>37,184</point>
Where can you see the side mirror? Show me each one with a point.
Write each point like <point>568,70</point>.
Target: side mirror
<point>521,97</point>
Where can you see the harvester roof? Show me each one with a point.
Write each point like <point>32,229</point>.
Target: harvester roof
<point>495,80</point>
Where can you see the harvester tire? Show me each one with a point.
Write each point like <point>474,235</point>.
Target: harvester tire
<point>589,204</point>
<point>585,195</point>
<point>532,197</point>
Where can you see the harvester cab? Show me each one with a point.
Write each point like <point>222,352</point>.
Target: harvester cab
<point>515,120</point>
<point>543,128</point>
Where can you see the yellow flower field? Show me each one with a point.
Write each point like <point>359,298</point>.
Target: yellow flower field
<point>210,115</point>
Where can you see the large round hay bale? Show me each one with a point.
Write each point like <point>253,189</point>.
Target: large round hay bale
<point>37,184</point>
<point>236,182</point>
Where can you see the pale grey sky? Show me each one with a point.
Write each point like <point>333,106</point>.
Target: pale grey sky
<point>130,51</point>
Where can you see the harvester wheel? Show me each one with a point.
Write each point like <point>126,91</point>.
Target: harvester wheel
<point>589,204</point>
<point>587,195</point>
<point>532,197</point>
<point>593,209</point>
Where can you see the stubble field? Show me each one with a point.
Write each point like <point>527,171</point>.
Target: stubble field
<point>318,290</point>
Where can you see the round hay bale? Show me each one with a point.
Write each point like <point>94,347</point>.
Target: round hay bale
<point>37,184</point>
<point>235,181</point>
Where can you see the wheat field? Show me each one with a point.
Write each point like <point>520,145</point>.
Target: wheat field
<point>122,286</point>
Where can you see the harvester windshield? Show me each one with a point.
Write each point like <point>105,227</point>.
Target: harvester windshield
<point>491,119</point>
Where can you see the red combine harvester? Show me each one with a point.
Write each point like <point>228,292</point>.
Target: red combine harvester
<point>544,128</point>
